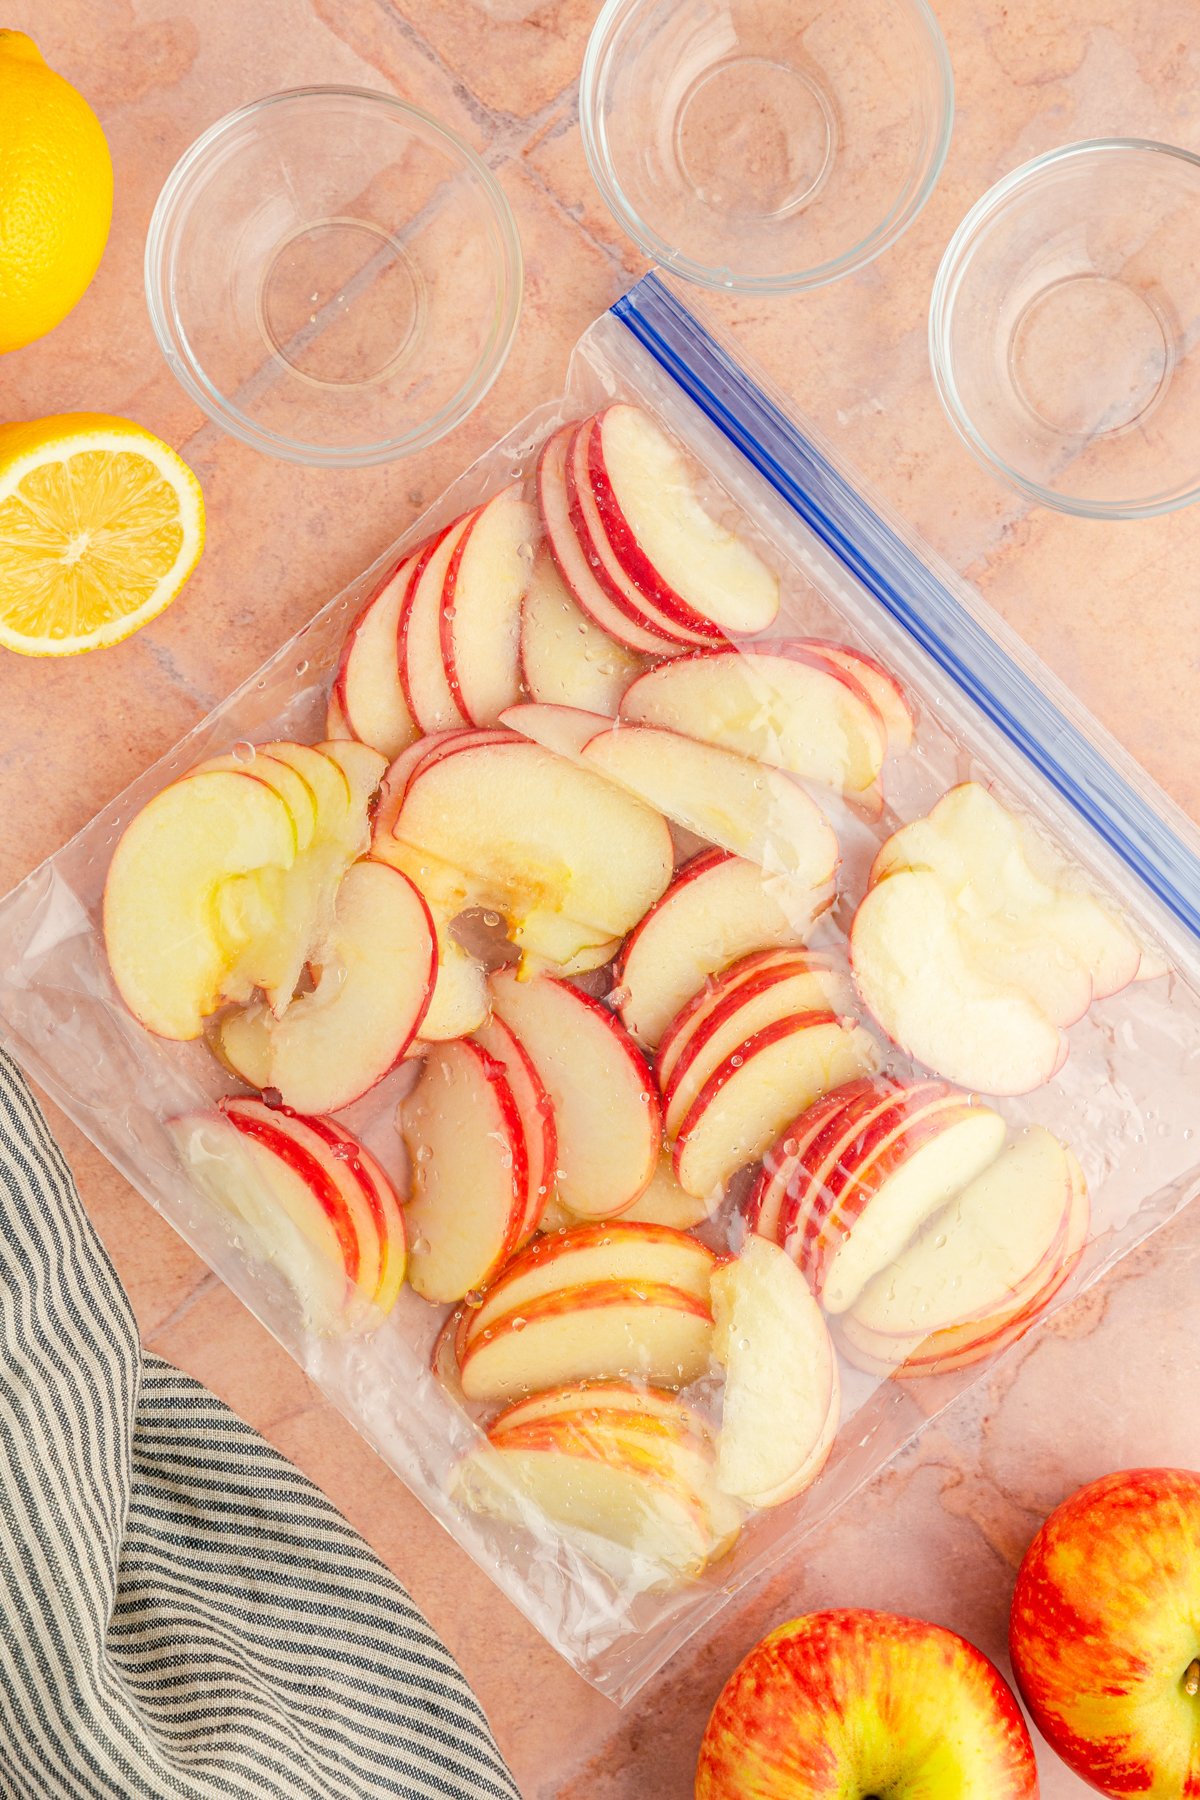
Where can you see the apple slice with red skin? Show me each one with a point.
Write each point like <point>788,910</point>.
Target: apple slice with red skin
<point>387,1212</point>
<point>718,909</point>
<point>334,1044</point>
<point>535,1108</point>
<point>783,1167</point>
<point>590,1253</point>
<point>605,1396</point>
<point>277,773</point>
<point>681,622</point>
<point>759,965</point>
<point>571,558</point>
<point>880,684</point>
<point>367,685</point>
<point>480,612</point>
<point>605,1101</point>
<point>792,711</point>
<point>563,729</point>
<point>663,1203</point>
<point>780,1409</point>
<point>596,1331</point>
<point>669,544</point>
<point>336,725</point>
<point>566,660</point>
<point>464,1137</point>
<point>772,1076</point>
<point>427,690</point>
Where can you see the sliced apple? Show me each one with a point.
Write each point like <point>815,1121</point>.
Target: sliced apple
<point>332,1045</point>
<point>563,729</point>
<point>364,769</point>
<point>367,685</point>
<point>664,1202</point>
<point>566,660</point>
<point>169,953</point>
<point>915,976</point>
<point>594,1332</point>
<point>336,725</point>
<point>536,1112</point>
<point>464,1138</point>
<point>757,967</point>
<point>783,1167</point>
<point>737,804</point>
<point>792,711</point>
<point>336,816</point>
<point>669,543</point>
<point>480,614</point>
<point>745,1104</point>
<point>605,1396</point>
<point>718,909</point>
<point>278,773</point>
<point>387,1214</point>
<point>605,1101</point>
<point>587,1254</point>
<point>780,1409</point>
<point>881,685</point>
<point>428,694</point>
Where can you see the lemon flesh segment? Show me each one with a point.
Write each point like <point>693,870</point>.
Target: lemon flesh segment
<point>99,530</point>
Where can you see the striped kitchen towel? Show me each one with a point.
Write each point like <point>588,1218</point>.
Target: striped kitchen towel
<point>183,1613</point>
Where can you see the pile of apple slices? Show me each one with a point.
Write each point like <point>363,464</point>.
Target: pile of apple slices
<point>933,1240</point>
<point>975,952</point>
<point>314,1199</point>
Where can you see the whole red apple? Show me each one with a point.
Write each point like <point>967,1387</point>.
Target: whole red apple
<point>866,1704</point>
<point>1106,1633</point>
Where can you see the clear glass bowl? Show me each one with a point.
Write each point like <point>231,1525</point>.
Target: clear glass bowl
<point>1064,328</point>
<point>333,276</point>
<point>766,145</point>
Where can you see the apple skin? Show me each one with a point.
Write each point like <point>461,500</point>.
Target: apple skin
<point>1105,1633</point>
<point>865,1703</point>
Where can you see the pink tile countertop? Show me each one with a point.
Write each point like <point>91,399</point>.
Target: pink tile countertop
<point>1112,608</point>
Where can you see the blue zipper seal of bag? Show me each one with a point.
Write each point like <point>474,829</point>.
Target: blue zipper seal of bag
<point>910,592</point>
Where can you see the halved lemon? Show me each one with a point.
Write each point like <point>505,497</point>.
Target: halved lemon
<point>101,523</point>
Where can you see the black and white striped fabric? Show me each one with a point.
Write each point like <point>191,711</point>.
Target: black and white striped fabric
<point>183,1613</point>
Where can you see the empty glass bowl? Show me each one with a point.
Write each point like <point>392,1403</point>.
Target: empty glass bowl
<point>765,145</point>
<point>333,276</point>
<point>1065,324</point>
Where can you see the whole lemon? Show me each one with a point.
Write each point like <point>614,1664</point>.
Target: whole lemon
<point>56,188</point>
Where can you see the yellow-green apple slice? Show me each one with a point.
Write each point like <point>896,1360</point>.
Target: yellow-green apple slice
<point>566,660</point>
<point>367,685</point>
<point>168,953</point>
<point>480,612</point>
<point>292,1214</point>
<point>759,966</point>
<point>329,783</point>
<point>535,838</point>
<point>572,562</point>
<point>779,993</point>
<point>914,973</point>
<point>334,1044</point>
<point>536,1111</point>
<point>289,784</point>
<point>880,1205</point>
<point>718,909</point>
<point>679,620</point>
<point>671,546</point>
<point>783,1168</point>
<point>593,1332</point>
<point>605,1101</point>
<point>605,1396</point>
<point>789,710</point>
<point>427,691</point>
<point>619,1500</point>
<point>780,1410</point>
<point>363,767</point>
<point>564,1261</point>
<point>771,1077</point>
<point>464,1138</point>
<point>355,1214</point>
<point>387,1214</point>
<point>863,1703</point>
<point>880,684</point>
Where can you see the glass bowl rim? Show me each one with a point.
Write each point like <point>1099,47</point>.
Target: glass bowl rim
<point>171,208</point>
<point>881,237</point>
<point>947,282</point>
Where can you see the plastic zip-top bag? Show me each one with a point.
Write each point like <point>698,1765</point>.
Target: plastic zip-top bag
<point>644,997</point>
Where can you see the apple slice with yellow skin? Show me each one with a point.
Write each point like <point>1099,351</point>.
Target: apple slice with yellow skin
<point>774,1075</point>
<point>887,694</point>
<point>780,1410</point>
<point>169,954</point>
<point>289,784</point>
<point>587,1254</point>
<point>329,783</point>
<point>865,1703</point>
<point>592,1332</point>
<point>364,769</point>
<point>463,1134</point>
<point>367,685</point>
<point>428,694</point>
<point>334,1044</point>
<point>566,660</point>
<point>536,1112</point>
<point>480,612</point>
<point>718,909</point>
<point>605,1101</point>
<point>790,711</point>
